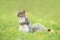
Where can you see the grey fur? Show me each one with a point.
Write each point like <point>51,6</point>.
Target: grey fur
<point>23,20</point>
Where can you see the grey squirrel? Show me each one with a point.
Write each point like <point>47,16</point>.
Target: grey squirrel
<point>26,26</point>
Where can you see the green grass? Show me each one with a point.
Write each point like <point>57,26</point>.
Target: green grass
<point>45,12</point>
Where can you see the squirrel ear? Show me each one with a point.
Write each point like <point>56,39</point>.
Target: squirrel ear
<point>23,11</point>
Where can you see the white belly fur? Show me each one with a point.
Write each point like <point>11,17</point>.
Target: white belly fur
<point>24,28</point>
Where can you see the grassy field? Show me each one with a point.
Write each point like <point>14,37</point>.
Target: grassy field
<point>45,12</point>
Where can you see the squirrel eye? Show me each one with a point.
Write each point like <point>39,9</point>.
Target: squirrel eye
<point>21,13</point>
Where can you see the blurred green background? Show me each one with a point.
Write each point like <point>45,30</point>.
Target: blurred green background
<point>45,12</point>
